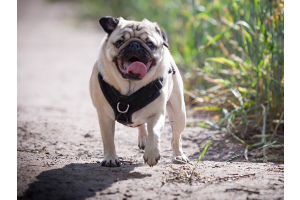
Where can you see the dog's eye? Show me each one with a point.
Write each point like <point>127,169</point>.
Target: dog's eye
<point>119,43</point>
<point>150,45</point>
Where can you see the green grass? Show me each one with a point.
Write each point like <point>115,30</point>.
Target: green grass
<point>201,156</point>
<point>199,159</point>
<point>231,55</point>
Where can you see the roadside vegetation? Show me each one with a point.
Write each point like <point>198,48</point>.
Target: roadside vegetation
<point>231,56</point>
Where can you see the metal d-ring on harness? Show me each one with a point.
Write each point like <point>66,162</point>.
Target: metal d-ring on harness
<point>120,110</point>
<point>125,106</point>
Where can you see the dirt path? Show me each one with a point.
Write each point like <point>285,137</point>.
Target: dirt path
<point>55,59</point>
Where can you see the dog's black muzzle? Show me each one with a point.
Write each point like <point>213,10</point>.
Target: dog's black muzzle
<point>131,51</point>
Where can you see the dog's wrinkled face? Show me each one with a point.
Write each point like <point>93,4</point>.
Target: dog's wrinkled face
<point>134,47</point>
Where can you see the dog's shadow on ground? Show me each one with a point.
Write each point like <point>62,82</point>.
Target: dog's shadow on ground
<point>78,181</point>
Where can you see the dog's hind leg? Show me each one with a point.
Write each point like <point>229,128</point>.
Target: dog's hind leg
<point>177,117</point>
<point>142,136</point>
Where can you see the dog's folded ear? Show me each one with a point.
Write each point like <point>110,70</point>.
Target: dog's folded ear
<point>163,35</point>
<point>108,23</point>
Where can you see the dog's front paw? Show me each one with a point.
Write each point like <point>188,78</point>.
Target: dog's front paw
<point>180,159</point>
<point>111,161</point>
<point>151,155</point>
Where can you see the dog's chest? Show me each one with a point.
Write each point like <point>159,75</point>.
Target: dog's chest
<point>132,110</point>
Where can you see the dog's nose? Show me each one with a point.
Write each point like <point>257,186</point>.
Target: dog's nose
<point>135,45</point>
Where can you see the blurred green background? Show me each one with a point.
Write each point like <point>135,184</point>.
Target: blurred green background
<point>231,57</point>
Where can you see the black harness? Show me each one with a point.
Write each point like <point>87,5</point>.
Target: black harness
<point>125,106</point>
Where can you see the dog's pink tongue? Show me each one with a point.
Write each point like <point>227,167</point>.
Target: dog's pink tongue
<point>138,68</point>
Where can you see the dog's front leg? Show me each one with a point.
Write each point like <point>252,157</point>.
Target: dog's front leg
<point>107,128</point>
<point>155,125</point>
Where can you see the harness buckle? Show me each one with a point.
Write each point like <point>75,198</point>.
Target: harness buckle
<point>120,110</point>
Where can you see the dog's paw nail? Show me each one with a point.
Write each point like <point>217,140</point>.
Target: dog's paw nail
<point>118,163</point>
<point>103,163</point>
<point>157,158</point>
<point>145,160</point>
<point>142,147</point>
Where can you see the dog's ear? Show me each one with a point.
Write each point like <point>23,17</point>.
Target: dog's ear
<point>165,39</point>
<point>109,24</point>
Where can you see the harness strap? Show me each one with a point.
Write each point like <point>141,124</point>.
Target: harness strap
<point>125,106</point>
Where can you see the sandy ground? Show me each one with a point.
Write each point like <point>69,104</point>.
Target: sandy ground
<point>56,54</point>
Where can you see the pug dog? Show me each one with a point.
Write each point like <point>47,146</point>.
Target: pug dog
<point>135,81</point>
